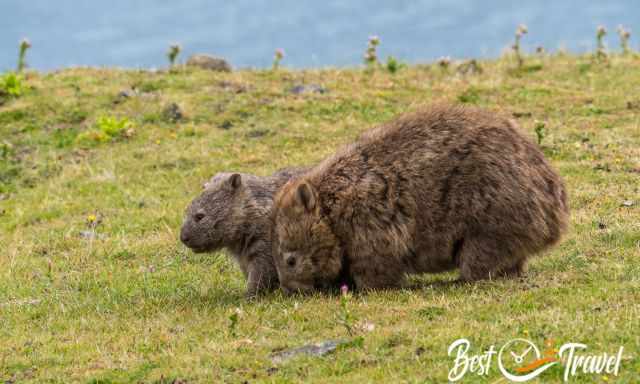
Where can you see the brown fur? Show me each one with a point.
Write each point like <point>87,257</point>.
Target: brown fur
<point>233,212</point>
<point>442,188</point>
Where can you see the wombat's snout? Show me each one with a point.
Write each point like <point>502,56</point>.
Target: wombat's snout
<point>184,237</point>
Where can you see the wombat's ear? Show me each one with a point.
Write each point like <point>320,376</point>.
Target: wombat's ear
<point>235,180</point>
<point>306,196</point>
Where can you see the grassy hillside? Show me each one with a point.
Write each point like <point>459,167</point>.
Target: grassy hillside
<point>97,166</point>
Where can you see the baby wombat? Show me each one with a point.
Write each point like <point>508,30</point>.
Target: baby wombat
<point>443,188</point>
<point>233,212</point>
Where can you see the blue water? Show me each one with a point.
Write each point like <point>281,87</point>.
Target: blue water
<point>136,33</point>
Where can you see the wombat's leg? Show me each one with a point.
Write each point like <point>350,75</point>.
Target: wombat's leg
<point>252,285</point>
<point>261,277</point>
<point>517,270</point>
<point>488,258</point>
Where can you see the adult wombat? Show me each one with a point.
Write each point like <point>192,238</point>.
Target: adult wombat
<point>233,212</point>
<point>433,190</point>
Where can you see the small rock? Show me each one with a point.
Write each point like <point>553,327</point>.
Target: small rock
<point>124,95</point>
<point>3,196</point>
<point>227,124</point>
<point>209,62</point>
<point>271,370</point>
<point>628,203</point>
<point>311,88</point>
<point>127,93</point>
<point>172,113</point>
<point>233,87</point>
<point>319,349</point>
<point>257,133</point>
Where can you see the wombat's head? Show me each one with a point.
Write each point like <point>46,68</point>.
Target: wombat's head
<point>307,254</point>
<point>214,218</point>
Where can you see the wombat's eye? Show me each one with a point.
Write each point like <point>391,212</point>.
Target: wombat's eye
<point>199,216</point>
<point>291,261</point>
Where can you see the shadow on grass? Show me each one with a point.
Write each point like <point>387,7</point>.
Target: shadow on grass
<point>333,292</point>
<point>216,297</point>
<point>437,285</point>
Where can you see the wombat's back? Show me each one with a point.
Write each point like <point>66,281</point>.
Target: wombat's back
<point>464,160</point>
<point>490,178</point>
<point>263,188</point>
<point>446,176</point>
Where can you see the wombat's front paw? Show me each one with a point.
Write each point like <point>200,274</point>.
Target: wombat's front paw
<point>260,280</point>
<point>251,294</point>
<point>256,289</point>
<point>252,289</point>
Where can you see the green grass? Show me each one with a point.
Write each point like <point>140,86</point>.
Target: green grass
<point>126,302</point>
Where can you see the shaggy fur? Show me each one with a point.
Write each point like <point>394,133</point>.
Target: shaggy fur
<point>442,188</point>
<point>233,212</point>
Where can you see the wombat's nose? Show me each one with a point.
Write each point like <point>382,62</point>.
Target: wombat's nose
<point>289,258</point>
<point>184,237</point>
<point>291,261</point>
